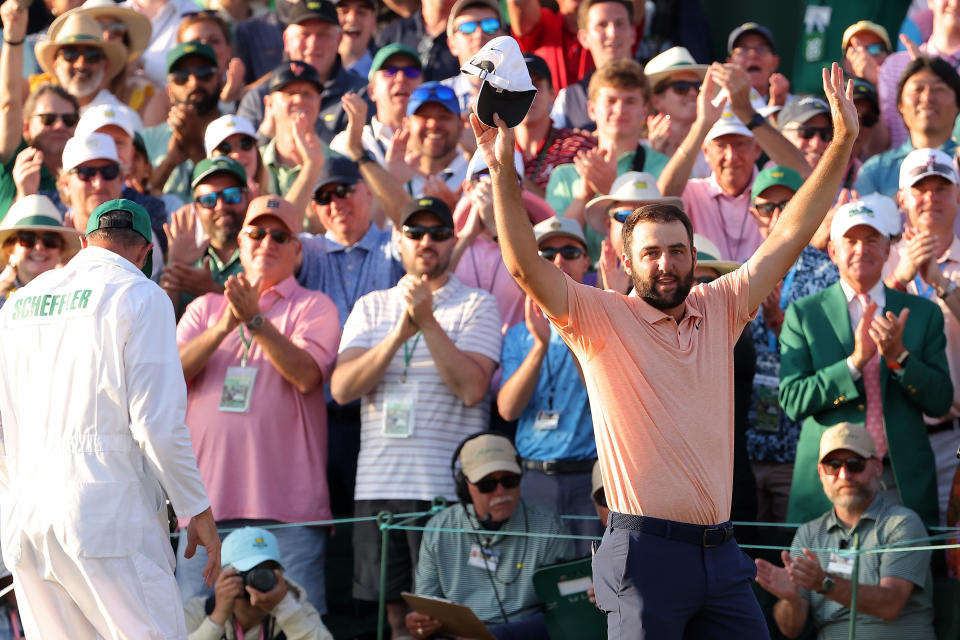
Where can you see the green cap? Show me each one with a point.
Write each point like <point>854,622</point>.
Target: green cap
<point>775,176</point>
<point>190,48</point>
<point>392,50</point>
<point>210,166</point>
<point>139,221</point>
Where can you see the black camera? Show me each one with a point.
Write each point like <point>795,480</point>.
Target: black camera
<point>260,578</point>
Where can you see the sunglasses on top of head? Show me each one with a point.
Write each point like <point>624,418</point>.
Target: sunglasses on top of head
<point>489,485</point>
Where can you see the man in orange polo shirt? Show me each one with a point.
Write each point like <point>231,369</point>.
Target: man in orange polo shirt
<point>659,374</point>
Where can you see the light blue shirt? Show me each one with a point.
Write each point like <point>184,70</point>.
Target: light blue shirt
<point>881,173</point>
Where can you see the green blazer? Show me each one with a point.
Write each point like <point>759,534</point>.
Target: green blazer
<point>816,387</point>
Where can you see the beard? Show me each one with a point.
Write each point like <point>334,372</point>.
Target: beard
<point>204,102</point>
<point>647,290</point>
<point>439,267</point>
<point>83,84</point>
<point>222,235</point>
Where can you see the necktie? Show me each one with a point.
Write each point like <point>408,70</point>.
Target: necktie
<point>871,384</point>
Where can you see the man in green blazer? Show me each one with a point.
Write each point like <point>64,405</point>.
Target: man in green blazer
<point>829,341</point>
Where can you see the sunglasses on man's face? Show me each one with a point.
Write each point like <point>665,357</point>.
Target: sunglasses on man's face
<point>683,87</point>
<point>874,49</point>
<point>567,252</point>
<point>621,215</point>
<point>766,209</point>
<point>203,73</point>
<point>489,485</point>
<point>869,119</point>
<point>807,132</point>
<point>49,119</point>
<point>71,54</point>
<point>230,195</point>
<point>50,240</point>
<point>277,235</point>
<point>853,465</point>
<point>488,25</point>
<point>245,144</point>
<point>341,191</point>
<point>437,234</point>
<point>412,73</point>
<point>107,172</point>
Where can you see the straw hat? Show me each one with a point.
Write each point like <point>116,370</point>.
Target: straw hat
<point>37,213</point>
<point>673,60</point>
<point>709,256</point>
<point>81,30</point>
<point>634,188</point>
<point>138,25</point>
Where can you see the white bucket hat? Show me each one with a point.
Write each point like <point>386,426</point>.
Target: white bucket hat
<point>633,187</point>
<point>673,60</point>
<point>37,213</point>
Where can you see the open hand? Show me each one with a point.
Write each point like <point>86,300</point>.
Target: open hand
<point>846,122</point>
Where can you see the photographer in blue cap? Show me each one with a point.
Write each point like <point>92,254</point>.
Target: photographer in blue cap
<point>252,598</point>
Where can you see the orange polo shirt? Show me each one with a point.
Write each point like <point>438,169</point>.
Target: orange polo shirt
<point>661,394</point>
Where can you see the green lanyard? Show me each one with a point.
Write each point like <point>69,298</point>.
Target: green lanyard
<point>408,352</point>
<point>247,343</point>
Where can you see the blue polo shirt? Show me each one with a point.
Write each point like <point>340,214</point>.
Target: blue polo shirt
<point>881,173</point>
<point>558,389</point>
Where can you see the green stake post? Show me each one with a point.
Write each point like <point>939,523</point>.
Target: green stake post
<point>854,579</point>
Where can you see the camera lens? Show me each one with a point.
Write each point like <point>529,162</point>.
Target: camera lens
<point>261,579</point>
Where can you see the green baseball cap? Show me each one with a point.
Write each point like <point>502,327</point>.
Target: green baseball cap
<point>209,166</point>
<point>773,177</point>
<point>138,221</point>
<point>392,50</point>
<point>190,48</point>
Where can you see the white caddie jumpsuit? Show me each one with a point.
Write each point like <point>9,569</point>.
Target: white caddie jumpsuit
<point>92,402</point>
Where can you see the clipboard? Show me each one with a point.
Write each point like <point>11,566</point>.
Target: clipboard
<point>457,619</point>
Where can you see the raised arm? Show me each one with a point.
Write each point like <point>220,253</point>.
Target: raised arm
<point>11,64</point>
<point>541,280</point>
<point>806,210</point>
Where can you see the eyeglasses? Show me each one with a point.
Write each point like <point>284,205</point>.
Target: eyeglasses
<point>230,195</point>
<point>437,234</point>
<point>50,240</point>
<point>245,144</point>
<point>488,25</point>
<point>567,252</point>
<point>341,191</point>
<point>869,119</point>
<point>72,54</point>
<point>489,485</point>
<point>807,132</point>
<point>107,172</point>
<point>766,209</point>
<point>853,465</point>
<point>682,87</point>
<point>49,119</point>
<point>277,235</point>
<point>412,73</point>
<point>203,73</point>
<point>760,49</point>
<point>621,215</point>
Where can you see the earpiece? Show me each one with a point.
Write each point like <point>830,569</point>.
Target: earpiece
<point>460,480</point>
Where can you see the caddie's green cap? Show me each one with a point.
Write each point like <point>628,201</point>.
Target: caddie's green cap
<point>773,177</point>
<point>209,166</point>
<point>190,48</point>
<point>392,50</point>
<point>138,220</point>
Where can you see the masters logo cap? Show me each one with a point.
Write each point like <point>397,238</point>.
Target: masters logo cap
<point>874,210</point>
<point>190,48</point>
<point>219,164</point>
<point>84,148</point>
<point>245,548</point>
<point>775,177</point>
<point>554,226</point>
<point>435,206</point>
<point>136,219</point>
<point>224,127</point>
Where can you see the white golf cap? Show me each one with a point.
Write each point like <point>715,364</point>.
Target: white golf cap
<point>478,164</point>
<point>93,146</point>
<point>728,124</point>
<point>921,163</point>
<point>874,210</point>
<point>224,127</point>
<point>554,226</point>
<point>103,115</point>
<point>673,60</point>
<point>506,89</point>
<point>635,188</point>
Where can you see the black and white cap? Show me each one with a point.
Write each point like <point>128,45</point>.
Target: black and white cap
<point>506,89</point>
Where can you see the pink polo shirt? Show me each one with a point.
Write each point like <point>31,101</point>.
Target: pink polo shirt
<point>270,462</point>
<point>661,395</point>
<point>724,219</point>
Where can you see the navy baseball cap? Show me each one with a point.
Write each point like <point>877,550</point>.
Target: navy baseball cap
<point>749,27</point>
<point>433,92</point>
<point>294,71</point>
<point>339,170</point>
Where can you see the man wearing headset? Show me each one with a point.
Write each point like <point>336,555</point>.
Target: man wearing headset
<point>466,567</point>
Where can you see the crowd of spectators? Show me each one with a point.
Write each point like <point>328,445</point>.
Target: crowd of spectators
<point>324,227</point>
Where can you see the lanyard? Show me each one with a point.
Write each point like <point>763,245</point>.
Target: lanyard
<point>731,254</point>
<point>238,631</point>
<point>551,379</point>
<point>408,352</point>
<point>247,343</point>
<point>923,289</point>
<point>476,273</point>
<point>356,285</point>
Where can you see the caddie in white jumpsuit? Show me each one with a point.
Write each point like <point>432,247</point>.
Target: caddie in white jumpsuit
<point>92,401</point>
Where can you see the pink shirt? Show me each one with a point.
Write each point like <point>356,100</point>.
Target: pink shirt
<point>481,267</point>
<point>661,395</point>
<point>724,219</point>
<point>270,462</point>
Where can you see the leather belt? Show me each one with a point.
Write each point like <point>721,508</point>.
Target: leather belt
<point>556,467</point>
<point>705,536</point>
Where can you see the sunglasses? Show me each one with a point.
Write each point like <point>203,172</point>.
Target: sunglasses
<point>341,191</point>
<point>277,235</point>
<point>760,50</point>
<point>437,234</point>
<point>49,119</point>
<point>50,240</point>
<point>489,485</point>
<point>869,119</point>
<point>767,208</point>
<point>230,195</point>
<point>72,54</point>
<point>853,465</point>
<point>245,144</point>
<point>683,87</point>
<point>107,172</point>
<point>874,49</point>
<point>567,252</point>
<point>807,132</point>
<point>621,215</point>
<point>488,25</point>
<point>203,73</point>
<point>412,73</point>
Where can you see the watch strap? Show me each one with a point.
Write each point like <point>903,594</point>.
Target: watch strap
<point>755,121</point>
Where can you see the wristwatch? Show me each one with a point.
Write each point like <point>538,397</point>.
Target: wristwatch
<point>951,286</point>
<point>366,157</point>
<point>826,586</point>
<point>755,121</point>
<point>255,322</point>
<point>900,362</point>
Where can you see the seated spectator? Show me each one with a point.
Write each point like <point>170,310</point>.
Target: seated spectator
<point>866,46</point>
<point>425,31</point>
<point>235,137</point>
<point>420,355</point>
<point>210,29</point>
<point>486,571</point>
<point>605,28</point>
<point>840,362</point>
<point>543,391</point>
<point>252,595</point>
<point>471,25</point>
<point>552,35</point>
<point>894,591</point>
<point>674,78</point>
<point>928,98</point>
<point>751,47</point>
<point>284,338</point>
<point>543,145</point>
<point>33,240</point>
<point>358,23</point>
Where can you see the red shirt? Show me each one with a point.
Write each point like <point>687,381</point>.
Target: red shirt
<point>564,144</point>
<point>566,57</point>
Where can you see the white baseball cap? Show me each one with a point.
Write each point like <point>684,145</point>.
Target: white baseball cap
<point>874,210</point>
<point>921,163</point>
<point>103,115</point>
<point>506,89</point>
<point>224,127</point>
<point>93,146</point>
<point>726,125</point>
